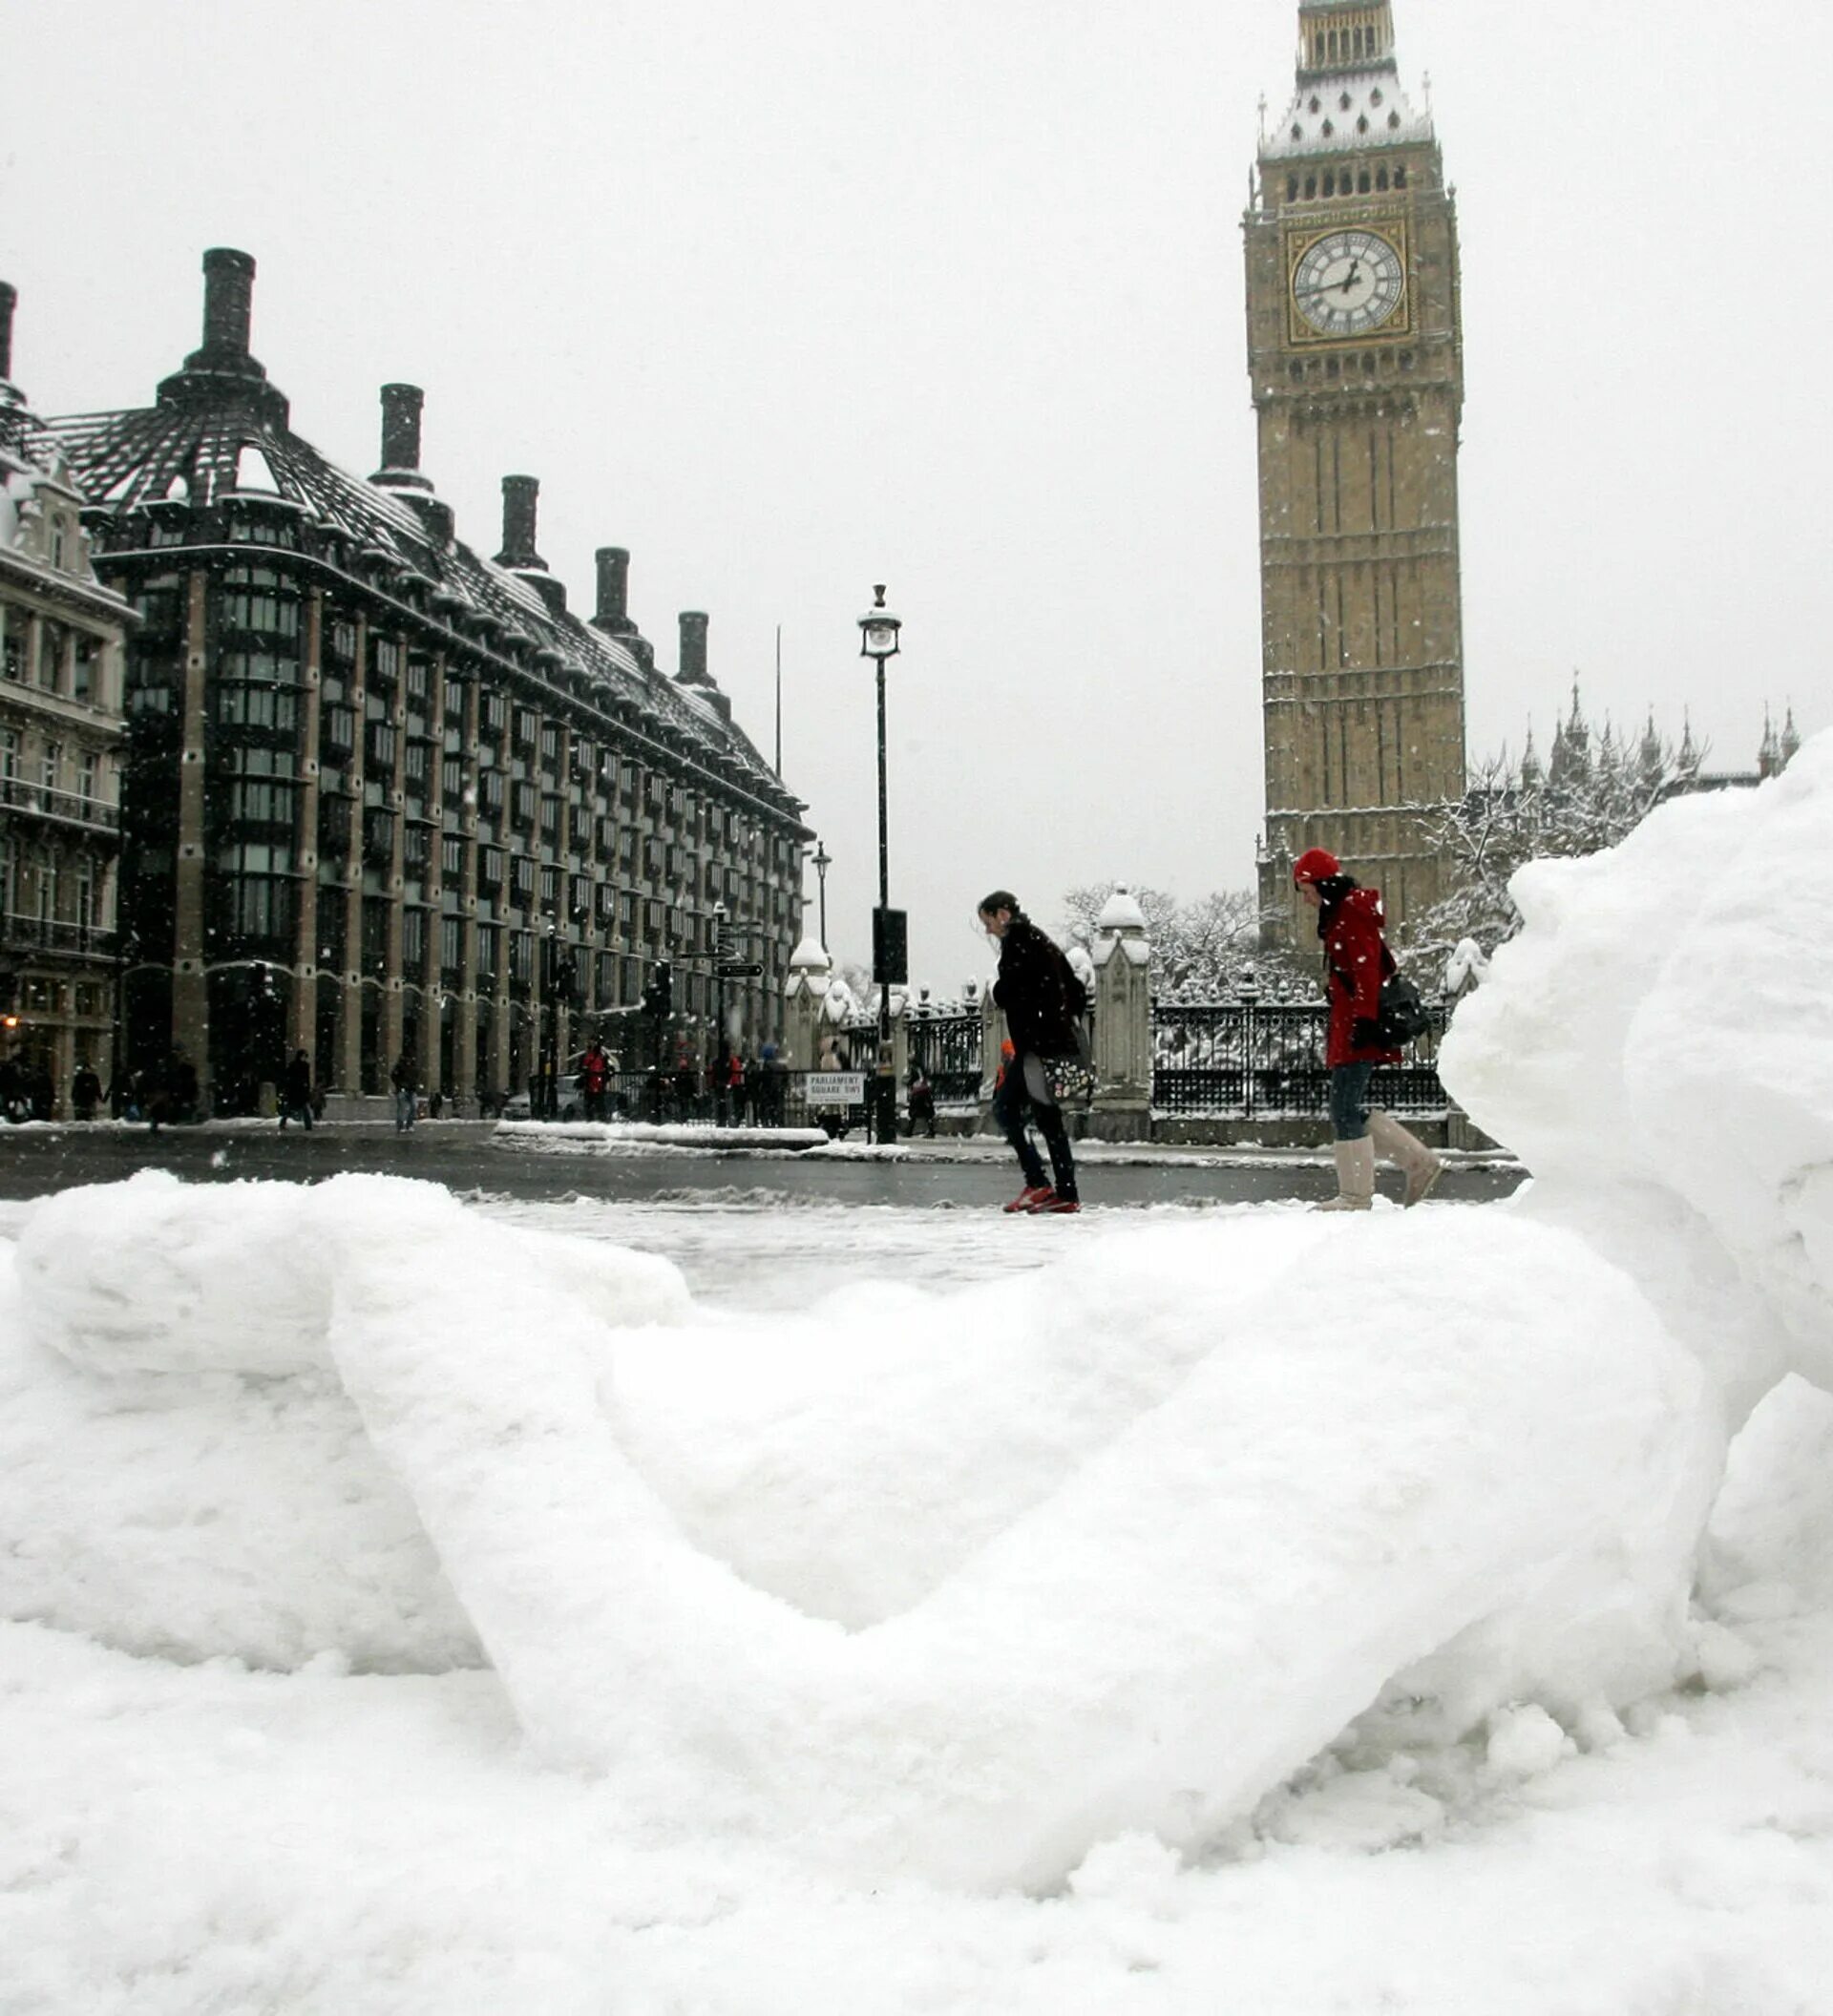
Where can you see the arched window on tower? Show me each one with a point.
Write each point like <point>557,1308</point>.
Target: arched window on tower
<point>1381,178</point>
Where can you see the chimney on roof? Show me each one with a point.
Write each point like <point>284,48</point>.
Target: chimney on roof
<point>228,303</point>
<point>8,294</point>
<point>520,495</point>
<point>613,615</point>
<point>693,649</point>
<point>223,368</point>
<point>401,405</point>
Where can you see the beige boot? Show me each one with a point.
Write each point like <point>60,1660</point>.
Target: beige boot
<point>1354,1176</point>
<point>1409,1154</point>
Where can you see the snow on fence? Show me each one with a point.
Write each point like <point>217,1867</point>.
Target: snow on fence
<point>1249,1059</point>
<point>1244,1059</point>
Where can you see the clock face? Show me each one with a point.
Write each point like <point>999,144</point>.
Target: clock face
<point>1347,283</point>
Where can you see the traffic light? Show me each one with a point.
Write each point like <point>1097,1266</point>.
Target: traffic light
<point>659,996</point>
<point>890,947</point>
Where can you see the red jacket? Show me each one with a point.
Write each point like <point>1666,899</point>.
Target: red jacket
<point>1355,962</point>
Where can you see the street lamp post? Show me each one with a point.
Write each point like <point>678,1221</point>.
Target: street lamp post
<point>823,861</point>
<point>879,632</point>
<point>127,949</point>
<point>559,973</point>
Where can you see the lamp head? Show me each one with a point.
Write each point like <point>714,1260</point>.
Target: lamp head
<point>879,628</point>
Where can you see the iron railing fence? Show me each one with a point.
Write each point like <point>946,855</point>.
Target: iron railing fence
<point>948,1049</point>
<point>1247,1059</point>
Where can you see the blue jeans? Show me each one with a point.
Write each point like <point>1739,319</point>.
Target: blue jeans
<point>1349,1100</point>
<point>405,1105</point>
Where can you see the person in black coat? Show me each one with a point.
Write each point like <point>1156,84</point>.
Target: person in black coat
<point>1044,1003</point>
<point>85,1092</point>
<point>296,1091</point>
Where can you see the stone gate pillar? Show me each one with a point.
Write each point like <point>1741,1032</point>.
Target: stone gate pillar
<point>805,993</point>
<point>1122,953</point>
<point>992,1036</point>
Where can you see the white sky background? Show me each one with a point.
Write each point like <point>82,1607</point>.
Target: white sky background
<point>792,298</point>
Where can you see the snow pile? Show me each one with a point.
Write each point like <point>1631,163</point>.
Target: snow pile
<point>1654,1046</point>
<point>1122,1546</point>
<point>182,1471</point>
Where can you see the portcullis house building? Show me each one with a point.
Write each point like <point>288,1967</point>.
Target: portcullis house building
<point>383,796</point>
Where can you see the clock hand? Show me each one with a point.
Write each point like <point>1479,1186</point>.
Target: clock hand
<point>1328,287</point>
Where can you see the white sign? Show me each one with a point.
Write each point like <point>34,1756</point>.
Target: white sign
<point>834,1088</point>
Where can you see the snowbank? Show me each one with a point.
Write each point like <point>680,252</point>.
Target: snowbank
<point>1654,1046</point>
<point>182,1471</point>
<point>1122,1544</point>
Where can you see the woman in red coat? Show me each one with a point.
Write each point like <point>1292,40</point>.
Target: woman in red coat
<point>1355,962</point>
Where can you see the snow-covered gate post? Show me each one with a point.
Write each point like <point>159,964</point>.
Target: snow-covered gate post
<point>992,1036</point>
<point>1122,953</point>
<point>805,993</point>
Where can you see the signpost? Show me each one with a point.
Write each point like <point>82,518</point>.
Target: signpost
<point>833,1088</point>
<point>740,970</point>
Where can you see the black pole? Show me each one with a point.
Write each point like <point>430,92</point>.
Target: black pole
<point>886,1129</point>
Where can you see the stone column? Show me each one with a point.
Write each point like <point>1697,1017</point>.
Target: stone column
<point>190,988</point>
<point>301,1032</point>
<point>350,1062</point>
<point>465,1040</point>
<point>395,1025</point>
<point>992,1036</point>
<point>900,1036</point>
<point>1122,1103</point>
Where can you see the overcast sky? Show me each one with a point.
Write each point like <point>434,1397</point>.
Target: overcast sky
<point>791,298</point>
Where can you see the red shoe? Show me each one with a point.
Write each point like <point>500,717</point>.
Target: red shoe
<point>1052,1203</point>
<point>1035,1197</point>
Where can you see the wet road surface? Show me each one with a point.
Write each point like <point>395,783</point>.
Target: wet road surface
<point>471,1159</point>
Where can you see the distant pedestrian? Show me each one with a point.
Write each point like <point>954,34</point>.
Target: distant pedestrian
<point>1355,962</point>
<point>595,1075</point>
<point>296,1092</point>
<point>85,1092</point>
<point>923,1102</point>
<point>1044,1003</point>
<point>687,1082</point>
<point>405,1078</point>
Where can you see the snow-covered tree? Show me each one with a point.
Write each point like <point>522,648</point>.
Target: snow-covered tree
<point>1203,950</point>
<point>1594,791</point>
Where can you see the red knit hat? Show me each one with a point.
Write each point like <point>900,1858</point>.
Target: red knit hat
<point>1313,865</point>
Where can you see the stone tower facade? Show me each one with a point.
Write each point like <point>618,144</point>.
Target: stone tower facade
<point>1354,349</point>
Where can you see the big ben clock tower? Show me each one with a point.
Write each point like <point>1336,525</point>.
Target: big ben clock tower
<point>1355,352</point>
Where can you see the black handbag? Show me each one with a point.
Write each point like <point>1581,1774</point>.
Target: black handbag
<point>1403,1015</point>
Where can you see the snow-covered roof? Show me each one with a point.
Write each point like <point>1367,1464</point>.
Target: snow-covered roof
<point>216,434</point>
<point>1346,108</point>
